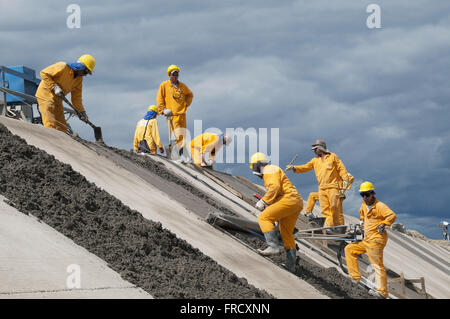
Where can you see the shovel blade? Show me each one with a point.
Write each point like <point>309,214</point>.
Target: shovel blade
<point>98,134</point>
<point>171,152</point>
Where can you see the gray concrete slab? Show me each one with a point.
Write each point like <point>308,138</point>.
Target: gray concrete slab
<point>36,261</point>
<point>157,206</point>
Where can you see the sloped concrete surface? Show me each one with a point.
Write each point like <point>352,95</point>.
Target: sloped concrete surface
<point>36,262</point>
<point>157,206</point>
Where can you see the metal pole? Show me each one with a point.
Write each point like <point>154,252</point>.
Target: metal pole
<point>4,94</point>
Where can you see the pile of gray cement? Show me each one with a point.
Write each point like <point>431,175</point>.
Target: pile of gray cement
<point>141,251</point>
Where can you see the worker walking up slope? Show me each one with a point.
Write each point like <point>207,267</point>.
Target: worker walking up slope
<point>173,100</point>
<point>281,203</point>
<point>146,136</point>
<point>59,80</point>
<point>374,216</point>
<point>330,173</point>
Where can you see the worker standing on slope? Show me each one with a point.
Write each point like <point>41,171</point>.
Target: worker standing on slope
<point>207,143</point>
<point>374,216</point>
<point>330,172</point>
<point>281,203</point>
<point>59,80</point>
<point>146,136</point>
<point>173,100</point>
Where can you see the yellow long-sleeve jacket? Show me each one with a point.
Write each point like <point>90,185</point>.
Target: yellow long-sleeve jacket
<point>330,171</point>
<point>175,99</point>
<point>151,134</point>
<point>279,187</point>
<point>207,142</point>
<point>63,75</point>
<point>379,213</point>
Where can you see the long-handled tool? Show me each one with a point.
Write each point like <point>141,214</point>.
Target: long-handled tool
<point>169,148</point>
<point>292,161</point>
<point>97,130</point>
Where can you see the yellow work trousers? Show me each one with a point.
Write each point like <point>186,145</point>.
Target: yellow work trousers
<point>52,114</point>
<point>196,155</point>
<point>178,129</point>
<point>331,206</point>
<point>312,199</point>
<point>375,253</point>
<point>286,215</point>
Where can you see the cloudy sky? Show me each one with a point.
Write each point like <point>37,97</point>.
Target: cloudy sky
<point>312,69</point>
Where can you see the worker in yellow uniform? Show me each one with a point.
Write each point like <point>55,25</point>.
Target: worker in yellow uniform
<point>173,100</point>
<point>207,143</point>
<point>146,136</point>
<point>374,217</point>
<point>330,172</point>
<point>59,80</point>
<point>281,203</point>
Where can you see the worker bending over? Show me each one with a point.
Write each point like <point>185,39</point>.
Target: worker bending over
<point>173,100</point>
<point>207,143</point>
<point>146,136</point>
<point>59,80</point>
<point>330,173</point>
<point>374,217</point>
<point>281,203</point>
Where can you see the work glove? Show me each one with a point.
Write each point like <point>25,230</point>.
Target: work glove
<point>167,112</point>
<point>83,116</point>
<point>344,184</point>
<point>261,205</point>
<point>289,167</point>
<point>381,229</point>
<point>58,91</point>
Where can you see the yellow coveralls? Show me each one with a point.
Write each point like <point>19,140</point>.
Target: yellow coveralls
<point>373,243</point>
<point>151,134</point>
<point>205,143</point>
<point>176,99</point>
<point>330,171</point>
<point>50,105</point>
<point>312,199</point>
<point>285,205</point>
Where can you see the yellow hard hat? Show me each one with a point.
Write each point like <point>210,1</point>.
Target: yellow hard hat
<point>152,108</point>
<point>366,186</point>
<point>88,61</point>
<point>258,158</point>
<point>171,68</point>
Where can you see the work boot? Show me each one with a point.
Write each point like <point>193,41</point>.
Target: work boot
<point>272,242</point>
<point>291,258</point>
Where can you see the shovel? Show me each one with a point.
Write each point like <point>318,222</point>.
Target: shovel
<point>169,148</point>
<point>97,129</point>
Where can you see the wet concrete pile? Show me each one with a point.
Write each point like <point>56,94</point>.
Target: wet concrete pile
<point>141,251</point>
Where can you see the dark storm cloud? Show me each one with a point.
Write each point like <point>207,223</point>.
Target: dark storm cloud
<point>310,68</point>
